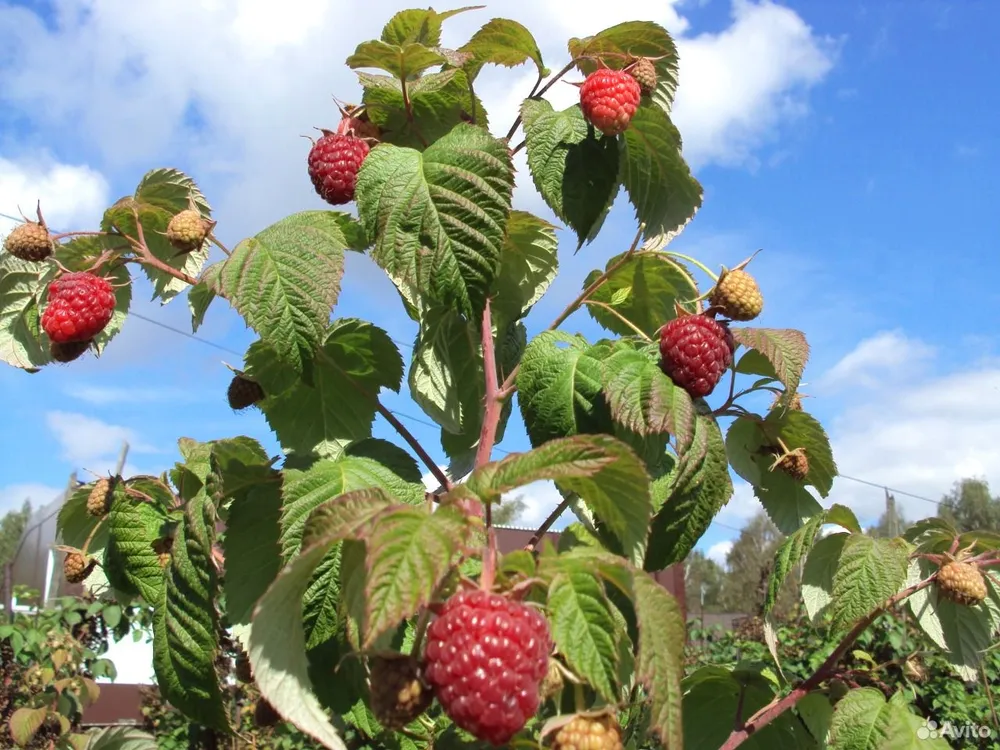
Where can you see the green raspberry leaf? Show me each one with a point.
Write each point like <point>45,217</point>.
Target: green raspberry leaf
<point>659,182</point>
<point>869,572</point>
<point>639,38</point>
<point>642,290</point>
<point>440,217</point>
<point>252,548</point>
<point>688,498</point>
<point>285,281</point>
<point>236,466</point>
<point>791,552</point>
<point>161,194</point>
<point>20,330</point>
<point>185,623</point>
<point>402,61</point>
<point>201,295</point>
<point>799,429</point>
<point>660,663</point>
<point>438,102</point>
<point>786,349</point>
<point>603,471</point>
<point>74,524</point>
<point>528,264</point>
<point>583,627</point>
<point>419,25</point>
<point>643,399</point>
<point>356,361</point>
<point>131,563</point>
<point>864,720</point>
<point>409,553</point>
<point>559,387</point>
<point>502,42</point>
<point>576,173</point>
<point>817,576</point>
<point>368,464</point>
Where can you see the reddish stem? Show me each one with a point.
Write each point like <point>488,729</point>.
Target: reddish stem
<point>146,255</point>
<point>491,418</point>
<point>775,708</point>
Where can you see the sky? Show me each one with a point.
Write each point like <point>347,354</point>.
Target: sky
<point>854,142</point>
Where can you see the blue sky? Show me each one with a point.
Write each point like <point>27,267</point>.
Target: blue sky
<point>856,143</point>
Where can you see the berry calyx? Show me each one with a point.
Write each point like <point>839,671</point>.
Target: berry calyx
<point>334,161</point>
<point>398,692</point>
<point>68,352</point>
<point>589,733</point>
<point>79,307</point>
<point>738,296</point>
<point>76,567</point>
<point>486,657</point>
<point>644,72</point>
<point>99,499</point>
<point>243,392</point>
<point>355,122</point>
<point>695,351</point>
<point>609,99</point>
<point>187,230</point>
<point>29,241</point>
<point>962,583</point>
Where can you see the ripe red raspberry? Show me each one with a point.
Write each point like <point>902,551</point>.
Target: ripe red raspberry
<point>695,352</point>
<point>334,161</point>
<point>80,306</point>
<point>486,658</point>
<point>609,99</point>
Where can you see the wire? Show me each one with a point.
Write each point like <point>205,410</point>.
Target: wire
<point>890,489</point>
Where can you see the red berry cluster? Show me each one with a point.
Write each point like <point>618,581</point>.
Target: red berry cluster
<point>486,658</point>
<point>79,306</point>
<point>695,351</point>
<point>609,99</point>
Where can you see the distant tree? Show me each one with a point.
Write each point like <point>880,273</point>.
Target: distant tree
<point>891,523</point>
<point>12,528</point>
<point>969,506</point>
<point>749,565</point>
<point>703,579</point>
<point>509,511</point>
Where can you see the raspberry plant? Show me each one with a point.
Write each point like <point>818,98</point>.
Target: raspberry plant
<point>332,558</point>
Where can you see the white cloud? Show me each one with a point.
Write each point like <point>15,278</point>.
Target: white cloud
<point>70,194</point>
<point>144,82</point>
<point>876,360</point>
<point>90,444</point>
<point>12,496</point>
<point>913,431</point>
<point>719,551</point>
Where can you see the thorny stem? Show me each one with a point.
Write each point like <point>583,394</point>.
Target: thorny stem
<point>508,387</point>
<point>641,333</point>
<point>518,147</point>
<point>491,418</point>
<point>778,706</point>
<point>415,444</point>
<point>540,532</point>
<point>149,259</point>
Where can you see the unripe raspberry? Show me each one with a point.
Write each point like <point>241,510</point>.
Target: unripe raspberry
<point>243,392</point>
<point>962,583</point>
<point>334,161</point>
<point>79,307</point>
<point>162,549</point>
<point>29,241</point>
<point>644,72</point>
<point>243,670</point>
<point>486,657</point>
<point>187,230</point>
<point>609,99</point>
<point>738,295</point>
<point>695,352</point>
<point>99,499</point>
<point>398,692</point>
<point>589,733</point>
<point>794,463</point>
<point>76,567</point>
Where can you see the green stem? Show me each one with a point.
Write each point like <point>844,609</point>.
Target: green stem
<point>693,262</point>
<point>620,317</point>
